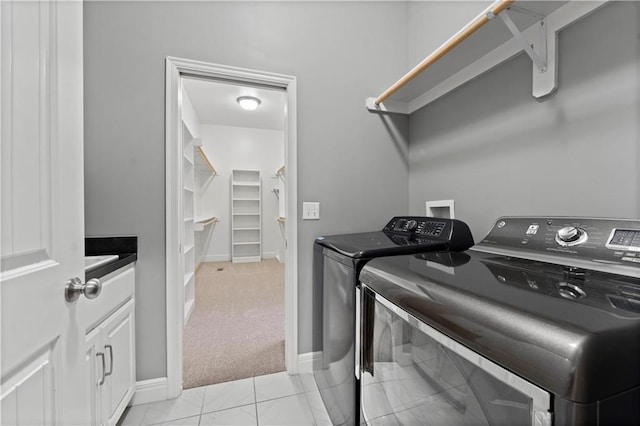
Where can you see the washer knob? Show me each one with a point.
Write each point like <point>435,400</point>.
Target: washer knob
<point>571,236</point>
<point>411,225</point>
<point>568,234</point>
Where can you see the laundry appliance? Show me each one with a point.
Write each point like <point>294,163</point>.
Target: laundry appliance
<point>538,324</point>
<point>338,260</point>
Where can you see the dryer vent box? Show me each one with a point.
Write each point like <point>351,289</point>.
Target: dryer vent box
<point>441,208</point>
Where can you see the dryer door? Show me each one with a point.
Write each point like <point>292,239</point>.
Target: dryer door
<point>413,374</point>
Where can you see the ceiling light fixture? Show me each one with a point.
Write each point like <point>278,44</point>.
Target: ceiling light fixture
<point>248,103</point>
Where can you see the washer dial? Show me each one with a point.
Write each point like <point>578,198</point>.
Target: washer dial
<point>571,236</point>
<point>411,225</point>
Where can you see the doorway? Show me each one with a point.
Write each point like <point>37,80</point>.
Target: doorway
<point>234,298</point>
<point>178,214</point>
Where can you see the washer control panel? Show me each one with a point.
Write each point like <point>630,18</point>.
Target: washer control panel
<point>432,227</point>
<point>422,229</point>
<point>607,241</point>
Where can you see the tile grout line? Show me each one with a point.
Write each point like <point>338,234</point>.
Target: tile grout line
<point>204,394</point>
<point>255,400</point>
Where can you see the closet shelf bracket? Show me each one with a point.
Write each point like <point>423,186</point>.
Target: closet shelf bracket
<point>539,60</point>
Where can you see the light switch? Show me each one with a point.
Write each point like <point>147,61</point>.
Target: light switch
<point>310,211</point>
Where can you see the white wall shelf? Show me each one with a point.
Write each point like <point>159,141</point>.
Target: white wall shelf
<point>246,235</point>
<point>527,26</point>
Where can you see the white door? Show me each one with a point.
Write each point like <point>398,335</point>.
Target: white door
<point>42,214</point>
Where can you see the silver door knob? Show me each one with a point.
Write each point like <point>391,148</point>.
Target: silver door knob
<point>75,287</point>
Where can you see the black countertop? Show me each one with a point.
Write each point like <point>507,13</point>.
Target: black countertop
<point>126,248</point>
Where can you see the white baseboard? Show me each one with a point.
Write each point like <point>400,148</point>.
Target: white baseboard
<point>306,361</point>
<point>227,257</point>
<point>270,255</point>
<point>216,258</point>
<point>152,390</point>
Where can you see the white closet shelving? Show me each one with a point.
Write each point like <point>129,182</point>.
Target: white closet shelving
<point>205,170</point>
<point>188,249</point>
<point>281,195</point>
<point>246,232</point>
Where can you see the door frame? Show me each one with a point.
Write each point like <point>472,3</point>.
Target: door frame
<point>175,67</point>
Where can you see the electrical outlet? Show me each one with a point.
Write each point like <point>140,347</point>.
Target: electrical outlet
<point>310,211</point>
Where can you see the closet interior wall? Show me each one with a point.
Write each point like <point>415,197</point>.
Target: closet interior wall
<point>241,148</point>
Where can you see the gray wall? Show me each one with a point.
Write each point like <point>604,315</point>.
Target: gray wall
<point>497,151</point>
<point>352,162</point>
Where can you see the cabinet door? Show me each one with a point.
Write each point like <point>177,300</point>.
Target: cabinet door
<point>119,349</point>
<point>94,364</point>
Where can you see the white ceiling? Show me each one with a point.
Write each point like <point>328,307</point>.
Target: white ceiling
<point>215,103</point>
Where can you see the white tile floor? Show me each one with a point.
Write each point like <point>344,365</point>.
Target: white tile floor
<point>274,399</point>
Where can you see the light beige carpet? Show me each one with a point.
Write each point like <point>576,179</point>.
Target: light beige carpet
<point>237,327</point>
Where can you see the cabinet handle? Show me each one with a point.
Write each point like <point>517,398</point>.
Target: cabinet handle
<point>101,381</point>
<point>110,359</point>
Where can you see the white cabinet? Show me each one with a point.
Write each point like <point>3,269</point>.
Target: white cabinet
<point>110,356</point>
<point>246,236</point>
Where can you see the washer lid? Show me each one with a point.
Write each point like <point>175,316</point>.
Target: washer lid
<point>403,235</point>
<point>583,349</point>
<point>376,244</point>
